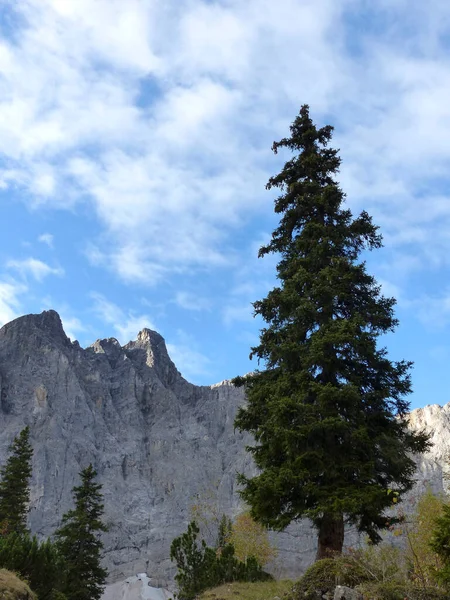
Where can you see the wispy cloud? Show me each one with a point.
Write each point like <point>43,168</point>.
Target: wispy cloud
<point>10,304</point>
<point>151,170</point>
<point>432,310</point>
<point>72,325</point>
<point>189,360</point>
<point>192,301</point>
<point>47,239</point>
<point>233,313</point>
<point>35,268</point>
<point>126,324</point>
<point>168,136</point>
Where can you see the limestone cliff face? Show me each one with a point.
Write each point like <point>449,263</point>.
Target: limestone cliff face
<point>156,440</point>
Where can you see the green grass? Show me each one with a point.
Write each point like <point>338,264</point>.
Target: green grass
<point>263,590</point>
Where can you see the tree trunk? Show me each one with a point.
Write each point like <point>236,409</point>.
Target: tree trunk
<point>330,535</point>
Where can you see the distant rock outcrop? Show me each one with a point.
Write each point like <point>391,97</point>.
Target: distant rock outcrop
<point>156,440</point>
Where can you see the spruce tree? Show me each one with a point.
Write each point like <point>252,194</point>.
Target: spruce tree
<point>327,411</point>
<point>79,544</point>
<point>196,563</point>
<point>224,533</point>
<point>14,485</point>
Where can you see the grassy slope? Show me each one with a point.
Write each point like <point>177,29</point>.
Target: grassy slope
<point>248,591</point>
<point>13,588</point>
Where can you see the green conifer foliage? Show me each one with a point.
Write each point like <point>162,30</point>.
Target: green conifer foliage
<point>195,563</point>
<point>14,485</point>
<point>224,532</point>
<point>201,567</point>
<point>79,544</point>
<point>326,411</point>
<point>38,562</point>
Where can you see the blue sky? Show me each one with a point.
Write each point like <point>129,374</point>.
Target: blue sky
<point>135,146</point>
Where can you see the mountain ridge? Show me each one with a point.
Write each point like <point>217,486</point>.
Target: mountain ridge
<point>158,442</point>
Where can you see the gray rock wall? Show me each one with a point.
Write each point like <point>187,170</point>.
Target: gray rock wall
<point>156,441</point>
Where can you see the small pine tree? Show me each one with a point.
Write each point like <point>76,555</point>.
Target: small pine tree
<point>79,543</point>
<point>201,567</point>
<point>14,485</point>
<point>195,563</point>
<point>224,533</point>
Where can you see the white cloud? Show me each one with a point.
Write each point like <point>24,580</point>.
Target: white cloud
<point>191,363</point>
<point>187,358</point>
<point>432,310</point>
<point>10,304</point>
<point>148,178</point>
<point>237,312</point>
<point>190,301</point>
<point>161,116</point>
<point>389,289</point>
<point>72,325</point>
<point>34,267</point>
<point>126,324</point>
<point>46,238</point>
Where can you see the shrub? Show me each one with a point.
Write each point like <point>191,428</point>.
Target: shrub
<point>425,563</point>
<point>321,576</point>
<point>250,538</point>
<point>399,591</point>
<point>383,564</point>
<point>228,568</point>
<point>56,595</point>
<point>325,574</point>
<point>373,566</point>
<point>439,543</point>
<point>378,572</point>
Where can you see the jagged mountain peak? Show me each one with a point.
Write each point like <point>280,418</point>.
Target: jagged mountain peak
<point>150,336</point>
<point>150,347</point>
<point>47,323</point>
<point>47,319</point>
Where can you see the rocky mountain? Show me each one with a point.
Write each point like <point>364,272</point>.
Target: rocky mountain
<point>158,442</point>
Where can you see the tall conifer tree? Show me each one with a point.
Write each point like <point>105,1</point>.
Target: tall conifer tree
<point>79,544</point>
<point>15,485</point>
<point>327,411</point>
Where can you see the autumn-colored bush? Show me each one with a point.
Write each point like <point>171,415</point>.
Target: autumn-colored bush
<point>425,562</point>
<point>250,538</point>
